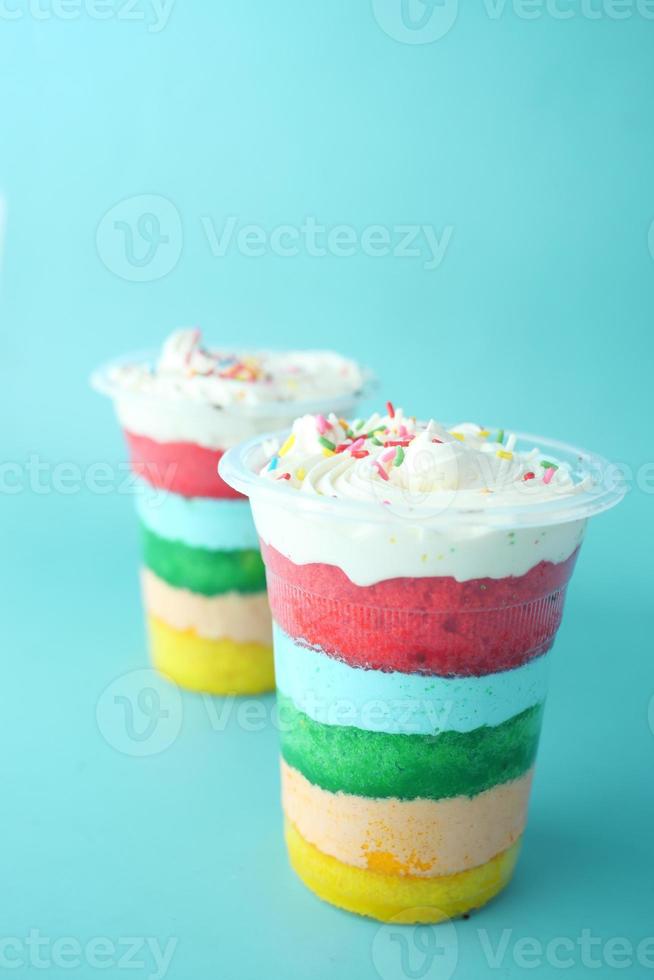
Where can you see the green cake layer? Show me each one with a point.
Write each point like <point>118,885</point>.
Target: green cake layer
<point>201,570</point>
<point>377,764</point>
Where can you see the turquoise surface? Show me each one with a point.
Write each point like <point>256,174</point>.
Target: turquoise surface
<point>522,141</point>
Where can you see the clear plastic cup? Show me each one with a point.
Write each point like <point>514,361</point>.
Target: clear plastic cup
<point>410,705</point>
<point>203,580</point>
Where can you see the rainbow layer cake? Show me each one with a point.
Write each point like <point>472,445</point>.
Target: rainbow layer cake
<point>203,578</point>
<point>411,654</point>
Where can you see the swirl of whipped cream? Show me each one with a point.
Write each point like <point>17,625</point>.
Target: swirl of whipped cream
<point>398,461</point>
<point>187,370</point>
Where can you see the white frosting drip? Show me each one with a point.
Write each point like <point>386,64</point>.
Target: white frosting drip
<point>374,552</point>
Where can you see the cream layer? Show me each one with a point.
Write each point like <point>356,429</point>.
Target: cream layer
<point>422,838</point>
<point>372,552</point>
<point>233,615</point>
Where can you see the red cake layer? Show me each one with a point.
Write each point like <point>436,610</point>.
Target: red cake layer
<point>181,467</point>
<point>430,625</point>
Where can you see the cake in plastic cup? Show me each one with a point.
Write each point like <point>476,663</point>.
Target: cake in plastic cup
<point>416,576</point>
<point>203,579</point>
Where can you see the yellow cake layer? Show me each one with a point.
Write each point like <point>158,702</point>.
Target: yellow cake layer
<point>214,666</point>
<point>390,897</point>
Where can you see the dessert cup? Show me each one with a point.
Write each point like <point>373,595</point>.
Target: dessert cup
<point>411,654</point>
<point>203,580</point>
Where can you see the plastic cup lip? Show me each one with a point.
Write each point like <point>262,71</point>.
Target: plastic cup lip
<point>101,381</point>
<point>240,466</point>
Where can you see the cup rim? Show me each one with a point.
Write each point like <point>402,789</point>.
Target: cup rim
<point>101,382</point>
<point>237,468</point>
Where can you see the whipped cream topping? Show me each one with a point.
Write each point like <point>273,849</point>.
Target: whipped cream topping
<point>412,466</point>
<point>418,499</point>
<point>187,370</point>
<point>416,473</point>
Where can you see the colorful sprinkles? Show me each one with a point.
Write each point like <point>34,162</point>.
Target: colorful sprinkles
<point>290,442</point>
<point>384,443</point>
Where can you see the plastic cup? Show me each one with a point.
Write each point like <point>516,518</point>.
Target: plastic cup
<point>203,580</point>
<point>410,705</point>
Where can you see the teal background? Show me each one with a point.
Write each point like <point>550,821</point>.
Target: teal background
<point>532,139</point>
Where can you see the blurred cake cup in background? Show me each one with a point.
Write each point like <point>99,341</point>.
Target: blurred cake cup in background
<point>416,575</point>
<point>203,579</point>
